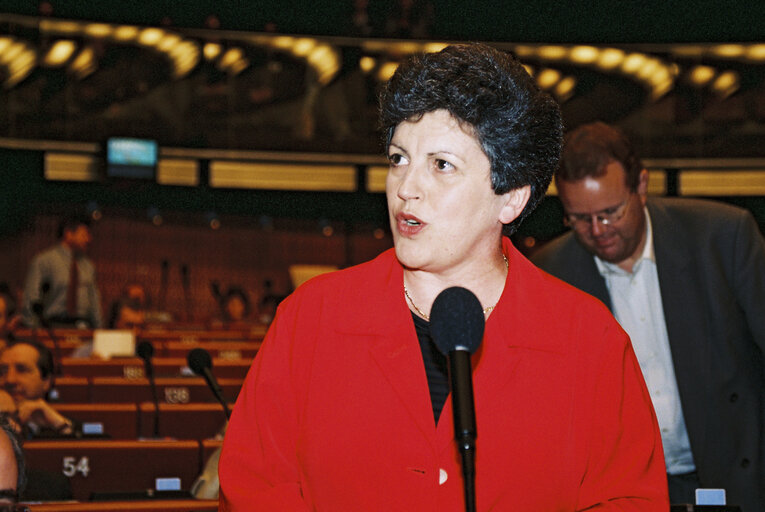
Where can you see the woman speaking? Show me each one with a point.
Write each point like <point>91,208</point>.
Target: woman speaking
<point>347,406</point>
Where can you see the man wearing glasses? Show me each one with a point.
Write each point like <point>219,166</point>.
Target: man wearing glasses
<point>686,280</point>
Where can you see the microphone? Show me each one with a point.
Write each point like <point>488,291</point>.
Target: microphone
<point>145,350</point>
<point>186,290</point>
<point>457,324</point>
<point>37,309</point>
<point>201,364</point>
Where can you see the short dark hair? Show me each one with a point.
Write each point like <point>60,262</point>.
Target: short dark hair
<point>71,223</point>
<point>21,479</point>
<point>591,147</point>
<point>44,356</point>
<point>518,126</point>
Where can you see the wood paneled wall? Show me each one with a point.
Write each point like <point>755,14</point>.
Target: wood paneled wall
<point>127,248</point>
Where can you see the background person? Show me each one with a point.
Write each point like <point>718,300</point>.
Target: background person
<point>62,279</point>
<point>346,406</point>
<point>686,280</point>
<point>26,373</point>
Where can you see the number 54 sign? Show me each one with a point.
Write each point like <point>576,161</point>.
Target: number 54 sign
<point>72,466</point>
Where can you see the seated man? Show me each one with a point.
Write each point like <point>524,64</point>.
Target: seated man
<point>26,373</point>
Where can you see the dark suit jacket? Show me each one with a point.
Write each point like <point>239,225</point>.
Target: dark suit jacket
<point>711,265</point>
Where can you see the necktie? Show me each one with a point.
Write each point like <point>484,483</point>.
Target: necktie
<point>71,292</point>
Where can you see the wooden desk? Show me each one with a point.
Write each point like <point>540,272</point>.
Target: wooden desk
<point>217,349</point>
<point>133,367</point>
<point>119,421</point>
<point>177,390</point>
<point>182,421</point>
<point>143,506</point>
<point>208,447</point>
<point>71,390</point>
<point>116,466</point>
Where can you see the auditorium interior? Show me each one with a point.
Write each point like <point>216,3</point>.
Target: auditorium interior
<point>261,165</point>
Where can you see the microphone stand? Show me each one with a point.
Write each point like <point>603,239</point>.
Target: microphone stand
<point>153,386</point>
<point>463,409</point>
<point>37,309</point>
<point>145,351</point>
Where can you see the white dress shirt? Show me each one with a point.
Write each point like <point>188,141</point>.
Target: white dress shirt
<point>636,303</point>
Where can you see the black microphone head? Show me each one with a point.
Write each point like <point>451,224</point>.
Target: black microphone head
<point>199,360</point>
<point>215,288</point>
<point>457,321</point>
<point>37,308</point>
<point>145,350</point>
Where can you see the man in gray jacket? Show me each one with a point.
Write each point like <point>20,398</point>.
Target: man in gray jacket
<point>686,279</point>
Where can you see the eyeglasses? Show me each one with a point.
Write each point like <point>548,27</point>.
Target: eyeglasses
<point>607,217</point>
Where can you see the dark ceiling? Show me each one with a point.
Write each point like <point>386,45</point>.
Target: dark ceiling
<point>275,101</point>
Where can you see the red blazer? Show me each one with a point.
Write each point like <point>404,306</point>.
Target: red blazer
<point>335,414</point>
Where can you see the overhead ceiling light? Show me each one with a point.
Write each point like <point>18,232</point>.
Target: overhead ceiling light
<point>702,75</point>
<point>283,42</point>
<point>386,71</point>
<point>13,50</point>
<point>610,58</point>
<point>5,42</point>
<point>326,62</point>
<point>648,69</point>
<point>60,26</point>
<point>125,33</point>
<point>523,50</point>
<point>584,54</point>
<point>150,36</point>
<point>84,64</point>
<point>729,50</point>
<point>168,42</point>
<point>547,78</point>
<point>20,67</point>
<point>551,52</point>
<point>726,83</point>
<point>98,29</point>
<point>231,56</point>
<point>633,63</point>
<point>367,63</point>
<point>756,52</point>
<point>565,88</point>
<point>211,50</point>
<point>302,46</point>
<point>434,47</point>
<point>59,53</point>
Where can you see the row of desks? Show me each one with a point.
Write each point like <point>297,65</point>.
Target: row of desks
<point>249,333</point>
<point>170,390</point>
<point>217,349</point>
<point>98,466</point>
<point>142,506</point>
<point>133,367</point>
<point>131,421</point>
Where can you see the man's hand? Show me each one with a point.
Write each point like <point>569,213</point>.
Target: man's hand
<point>43,415</point>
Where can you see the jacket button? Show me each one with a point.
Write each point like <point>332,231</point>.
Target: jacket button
<point>744,463</point>
<point>733,397</point>
<point>442,476</point>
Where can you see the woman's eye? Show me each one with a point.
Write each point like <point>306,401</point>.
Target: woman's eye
<point>443,165</point>
<point>396,159</point>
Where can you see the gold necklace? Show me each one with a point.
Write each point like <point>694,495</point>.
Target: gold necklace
<point>486,310</point>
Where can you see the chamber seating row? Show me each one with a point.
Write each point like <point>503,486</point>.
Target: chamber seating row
<point>186,505</point>
<point>217,349</point>
<point>110,467</point>
<point>131,421</point>
<point>133,367</point>
<point>170,390</point>
<point>250,333</point>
